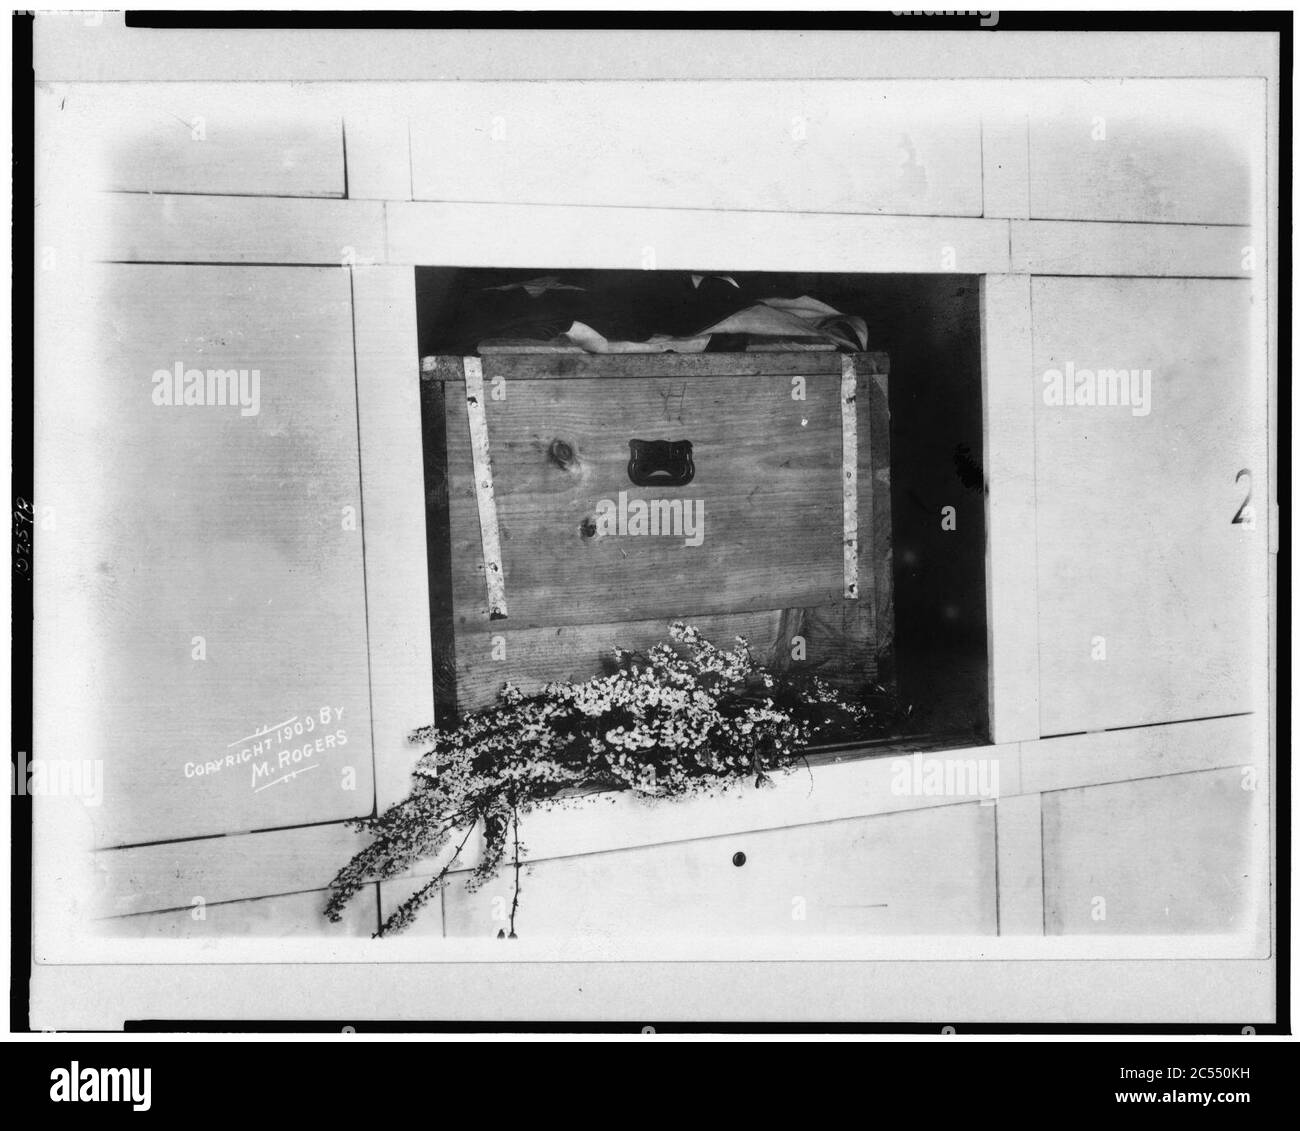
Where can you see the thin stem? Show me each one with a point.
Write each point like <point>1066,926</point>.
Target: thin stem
<point>431,886</point>
<point>514,906</point>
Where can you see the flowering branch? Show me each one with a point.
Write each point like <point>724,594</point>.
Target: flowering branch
<point>682,718</point>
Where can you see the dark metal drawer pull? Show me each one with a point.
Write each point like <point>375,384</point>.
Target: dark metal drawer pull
<point>660,463</point>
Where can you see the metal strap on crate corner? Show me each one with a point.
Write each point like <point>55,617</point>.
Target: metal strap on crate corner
<point>849,458</point>
<point>483,490</point>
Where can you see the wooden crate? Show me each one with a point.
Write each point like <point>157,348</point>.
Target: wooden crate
<point>578,576</point>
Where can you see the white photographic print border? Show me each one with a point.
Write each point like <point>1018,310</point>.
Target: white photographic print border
<point>374,238</point>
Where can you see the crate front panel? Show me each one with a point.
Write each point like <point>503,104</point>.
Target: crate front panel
<point>767,474</point>
<point>773,574</point>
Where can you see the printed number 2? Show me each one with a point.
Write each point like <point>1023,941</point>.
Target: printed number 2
<point>1245,516</point>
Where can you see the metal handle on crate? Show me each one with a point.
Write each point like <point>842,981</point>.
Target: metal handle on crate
<point>660,463</point>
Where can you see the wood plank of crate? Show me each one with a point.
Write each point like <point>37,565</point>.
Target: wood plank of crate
<point>849,471</point>
<point>542,367</point>
<point>484,490</point>
<point>767,476</point>
<point>478,660</point>
<point>485,657</point>
<point>875,615</point>
<point>838,637</point>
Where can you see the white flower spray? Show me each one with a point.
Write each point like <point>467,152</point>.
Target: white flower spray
<point>684,717</point>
